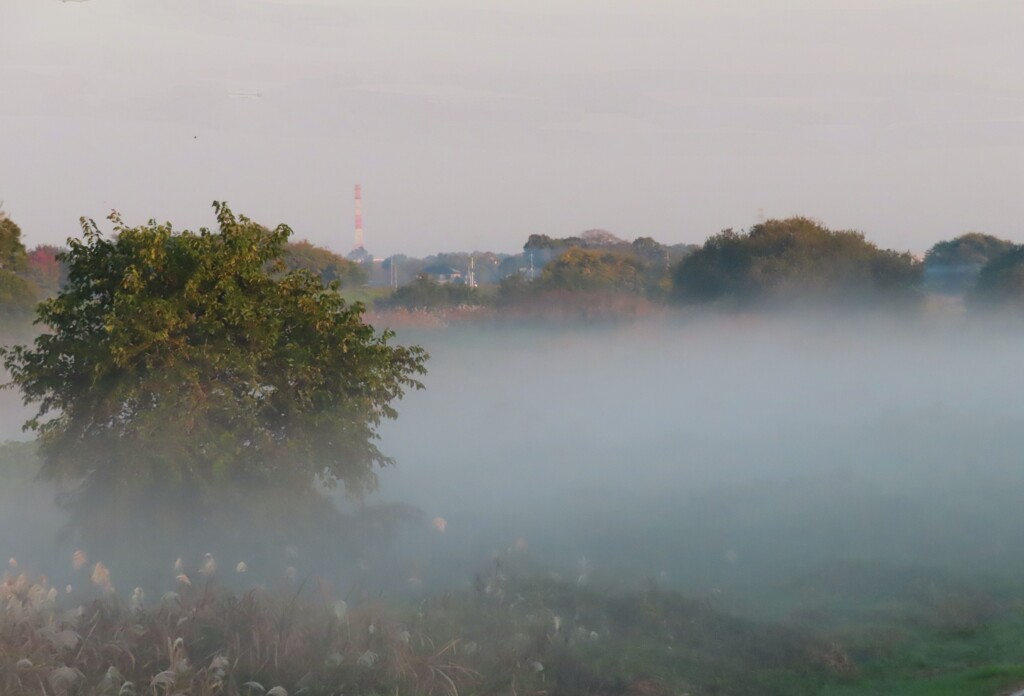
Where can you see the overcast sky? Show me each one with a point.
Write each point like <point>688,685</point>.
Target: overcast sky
<point>474,123</point>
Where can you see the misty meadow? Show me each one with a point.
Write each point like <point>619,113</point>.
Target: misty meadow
<point>545,348</point>
<point>790,465</point>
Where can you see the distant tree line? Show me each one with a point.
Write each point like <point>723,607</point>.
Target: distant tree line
<point>427,294</point>
<point>596,261</point>
<point>793,261</point>
<point>786,261</point>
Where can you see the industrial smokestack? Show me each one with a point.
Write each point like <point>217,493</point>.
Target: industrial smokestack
<point>359,216</point>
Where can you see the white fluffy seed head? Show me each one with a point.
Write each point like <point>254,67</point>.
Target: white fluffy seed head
<point>101,577</point>
<point>209,566</point>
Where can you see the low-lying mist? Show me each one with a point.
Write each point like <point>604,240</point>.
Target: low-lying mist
<point>728,455</point>
<point>733,458</point>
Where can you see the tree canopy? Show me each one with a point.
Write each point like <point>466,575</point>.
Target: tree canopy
<point>952,265</point>
<point>971,249</point>
<point>179,359</point>
<point>323,263</point>
<point>795,259</point>
<point>18,295</point>
<point>1001,280</point>
<point>46,269</point>
<point>580,269</point>
<point>13,256</point>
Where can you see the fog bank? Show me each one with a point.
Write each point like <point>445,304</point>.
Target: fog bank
<point>728,457</point>
<point>715,452</point>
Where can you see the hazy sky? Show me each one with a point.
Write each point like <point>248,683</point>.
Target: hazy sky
<point>473,123</point>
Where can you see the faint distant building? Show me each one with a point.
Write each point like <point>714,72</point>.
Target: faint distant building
<point>443,275</point>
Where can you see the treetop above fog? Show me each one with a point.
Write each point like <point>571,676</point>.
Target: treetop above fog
<point>971,249</point>
<point>952,266</point>
<point>178,357</point>
<point>1001,280</point>
<point>796,259</point>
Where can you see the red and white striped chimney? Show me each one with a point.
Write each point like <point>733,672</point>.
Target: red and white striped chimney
<point>359,216</point>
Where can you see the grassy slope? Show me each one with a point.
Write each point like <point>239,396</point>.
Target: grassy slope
<point>986,661</point>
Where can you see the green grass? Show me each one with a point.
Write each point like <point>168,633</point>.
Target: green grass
<point>986,661</point>
<point>988,680</point>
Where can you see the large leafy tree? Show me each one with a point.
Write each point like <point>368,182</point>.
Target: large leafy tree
<point>952,265</point>
<point>971,249</point>
<point>185,361</point>
<point>794,260</point>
